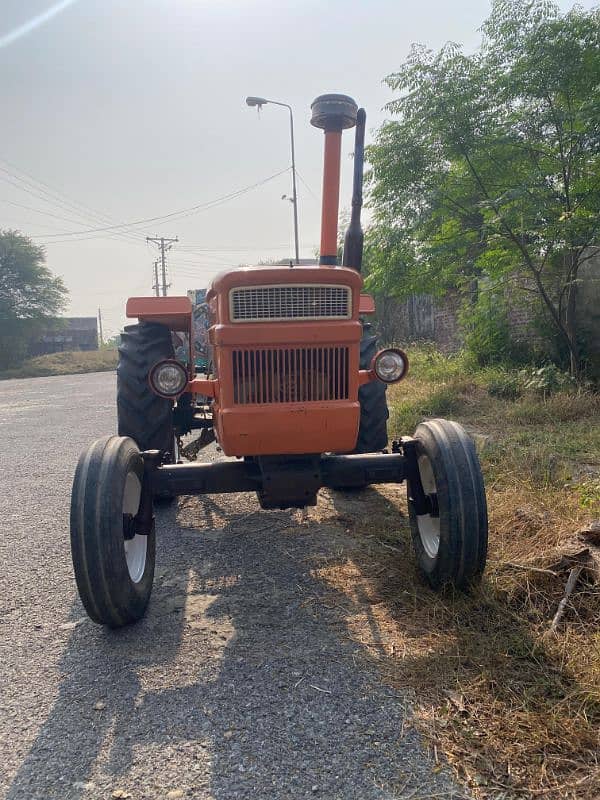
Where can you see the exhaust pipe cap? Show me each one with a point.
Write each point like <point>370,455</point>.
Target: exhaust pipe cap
<point>333,112</point>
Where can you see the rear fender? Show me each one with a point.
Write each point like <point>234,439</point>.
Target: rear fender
<point>174,313</point>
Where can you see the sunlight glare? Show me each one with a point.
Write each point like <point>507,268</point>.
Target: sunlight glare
<point>32,24</point>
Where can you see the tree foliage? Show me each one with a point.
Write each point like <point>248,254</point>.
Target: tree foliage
<point>491,165</point>
<point>30,295</point>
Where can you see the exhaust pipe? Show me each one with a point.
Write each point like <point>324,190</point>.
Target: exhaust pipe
<point>353,241</point>
<point>333,113</point>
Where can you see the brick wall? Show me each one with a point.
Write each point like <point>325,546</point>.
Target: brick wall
<point>423,318</point>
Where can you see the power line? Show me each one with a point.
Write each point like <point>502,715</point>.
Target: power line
<point>181,213</point>
<point>306,185</point>
<point>237,249</point>
<point>41,193</point>
<point>45,193</point>
<point>205,258</point>
<point>41,211</point>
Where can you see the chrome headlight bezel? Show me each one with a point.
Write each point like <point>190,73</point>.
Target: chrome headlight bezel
<point>390,365</point>
<point>174,389</point>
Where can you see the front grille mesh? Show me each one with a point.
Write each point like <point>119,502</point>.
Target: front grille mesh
<point>256,303</point>
<point>294,375</point>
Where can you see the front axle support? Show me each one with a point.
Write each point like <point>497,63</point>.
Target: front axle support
<point>304,476</point>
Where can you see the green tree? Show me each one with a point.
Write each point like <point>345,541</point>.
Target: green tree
<point>30,295</point>
<point>491,166</point>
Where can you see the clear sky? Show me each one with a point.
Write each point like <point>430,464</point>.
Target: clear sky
<point>130,109</point>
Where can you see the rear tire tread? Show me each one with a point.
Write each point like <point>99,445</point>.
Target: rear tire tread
<point>374,413</point>
<point>143,415</point>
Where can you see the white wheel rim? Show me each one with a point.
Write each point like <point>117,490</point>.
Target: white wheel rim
<point>135,549</point>
<point>429,527</point>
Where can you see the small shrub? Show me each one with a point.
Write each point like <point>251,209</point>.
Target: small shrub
<point>589,495</point>
<point>445,400</point>
<point>506,387</point>
<point>486,329</point>
<point>427,362</point>
<point>546,380</point>
<point>405,415</point>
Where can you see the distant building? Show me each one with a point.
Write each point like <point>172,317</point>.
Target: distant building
<point>70,333</point>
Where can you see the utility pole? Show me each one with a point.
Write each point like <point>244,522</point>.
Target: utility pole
<point>100,326</point>
<point>156,285</point>
<point>164,245</point>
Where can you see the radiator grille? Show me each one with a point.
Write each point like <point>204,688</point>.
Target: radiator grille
<point>256,303</point>
<point>294,375</point>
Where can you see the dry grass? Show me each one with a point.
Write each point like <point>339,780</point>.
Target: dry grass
<point>68,363</point>
<point>516,713</point>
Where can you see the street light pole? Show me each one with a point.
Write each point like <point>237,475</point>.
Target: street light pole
<point>295,196</point>
<point>261,101</point>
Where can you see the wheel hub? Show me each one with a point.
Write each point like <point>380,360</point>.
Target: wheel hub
<point>135,543</point>
<point>429,524</point>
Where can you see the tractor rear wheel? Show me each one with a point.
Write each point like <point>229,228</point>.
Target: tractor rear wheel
<point>450,542</point>
<point>372,431</point>
<point>113,565</point>
<point>142,414</point>
<point>372,428</point>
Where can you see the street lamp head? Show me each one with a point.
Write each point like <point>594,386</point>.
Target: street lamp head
<point>256,101</point>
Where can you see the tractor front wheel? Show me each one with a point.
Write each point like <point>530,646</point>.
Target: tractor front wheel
<point>450,542</point>
<point>113,565</point>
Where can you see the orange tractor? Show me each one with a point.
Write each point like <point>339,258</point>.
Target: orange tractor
<point>295,395</point>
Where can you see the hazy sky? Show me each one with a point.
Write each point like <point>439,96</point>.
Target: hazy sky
<point>130,109</point>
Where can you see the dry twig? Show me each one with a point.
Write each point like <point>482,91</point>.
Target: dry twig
<point>573,578</point>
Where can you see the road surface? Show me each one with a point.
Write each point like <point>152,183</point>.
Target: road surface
<point>241,682</point>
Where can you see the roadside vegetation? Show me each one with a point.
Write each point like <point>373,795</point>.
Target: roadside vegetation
<point>31,297</point>
<point>511,704</point>
<point>485,179</point>
<point>68,363</point>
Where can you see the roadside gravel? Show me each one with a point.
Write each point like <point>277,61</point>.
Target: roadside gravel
<point>241,682</point>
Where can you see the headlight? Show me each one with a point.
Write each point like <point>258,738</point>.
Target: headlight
<point>168,378</point>
<point>390,365</point>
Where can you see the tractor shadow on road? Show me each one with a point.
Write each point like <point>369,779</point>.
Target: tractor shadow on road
<point>243,680</point>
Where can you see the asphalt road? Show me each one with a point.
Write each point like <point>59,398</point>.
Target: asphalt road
<point>241,682</point>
